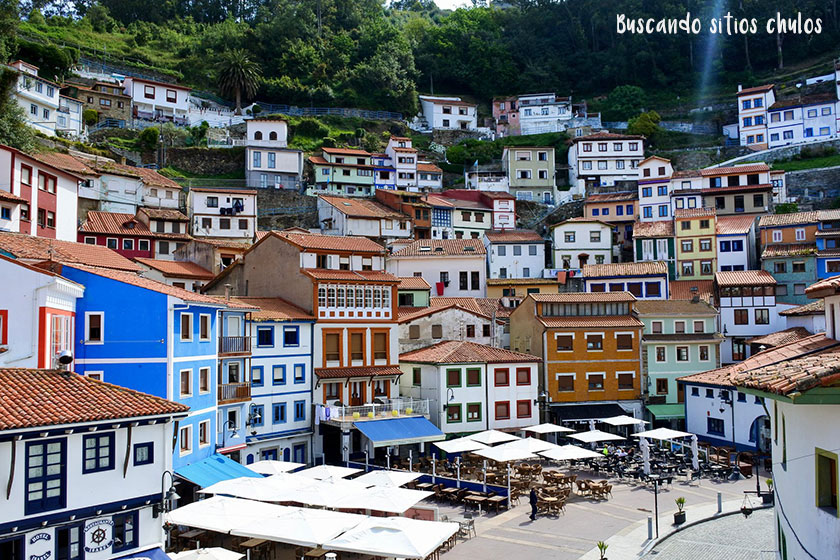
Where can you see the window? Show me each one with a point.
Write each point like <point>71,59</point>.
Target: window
<point>265,336</point>
<point>705,267</point>
<point>300,411</point>
<point>416,377</point>
<point>453,413</point>
<point>185,382</point>
<point>596,381</point>
<point>473,412</point>
<point>186,327</point>
<point>278,374</point>
<point>212,202</point>
<point>594,342</point>
<point>523,376</point>
<point>781,289</point>
<point>739,348</point>
<point>779,267</point>
<point>257,376</point>
<point>660,354</point>
<point>437,331</point>
<point>624,341</point>
<point>46,477</point>
<point>661,386</point>
<point>565,343</point>
<point>705,244</point>
<point>798,266</point>
<point>473,377</point>
<point>204,380</point>
<point>501,377</point>
<point>762,316</point>
<point>826,480</point>
<point>502,410</point>
<point>704,353</point>
<point>94,327</point>
<point>741,317</point>
<point>523,409</point>
<point>799,289</point>
<point>656,327</point>
<point>144,454</point>
<point>679,327</point>
<point>149,92</point>
<point>569,237</point>
<point>278,410</point>
<point>625,380</point>
<point>688,268</point>
<point>714,426</point>
<point>98,453</point>
<point>687,246</point>
<point>124,531</point>
<point>332,347</point>
<point>380,346</point>
<point>682,353</point>
<point>453,378</point>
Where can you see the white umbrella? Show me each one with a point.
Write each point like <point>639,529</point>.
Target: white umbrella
<point>695,457</point>
<point>328,471</point>
<point>492,437</point>
<point>645,446</point>
<point>387,478</point>
<point>569,453</point>
<point>248,487</point>
<point>548,429</point>
<point>380,498</point>
<point>593,436</point>
<point>274,467</point>
<point>662,433</point>
<point>533,445</point>
<point>592,424</point>
<point>503,454</point>
<point>459,445</point>
<point>623,421</point>
<point>206,554</point>
<point>326,493</point>
<point>394,537</point>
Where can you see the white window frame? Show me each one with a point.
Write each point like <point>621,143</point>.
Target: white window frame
<point>209,387</point>
<point>800,234</point>
<point>101,327</point>
<point>88,240</point>
<point>180,376</point>
<point>181,438</point>
<point>181,325</point>
<point>777,236</point>
<point>99,375</point>
<point>207,431</point>
<point>656,354</point>
<point>209,337</point>
<point>115,240</point>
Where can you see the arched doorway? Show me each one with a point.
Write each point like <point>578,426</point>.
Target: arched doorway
<point>760,433</point>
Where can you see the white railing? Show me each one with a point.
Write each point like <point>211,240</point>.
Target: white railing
<point>389,408</point>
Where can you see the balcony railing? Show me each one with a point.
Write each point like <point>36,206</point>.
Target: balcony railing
<point>389,408</point>
<point>234,392</point>
<point>234,345</point>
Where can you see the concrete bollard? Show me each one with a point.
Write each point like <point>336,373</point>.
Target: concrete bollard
<point>720,502</point>
<point>650,528</point>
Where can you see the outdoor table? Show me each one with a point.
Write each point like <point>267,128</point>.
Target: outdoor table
<point>474,499</point>
<point>192,536</point>
<point>424,486</point>
<point>316,553</point>
<point>253,543</point>
<point>496,501</point>
<point>450,491</point>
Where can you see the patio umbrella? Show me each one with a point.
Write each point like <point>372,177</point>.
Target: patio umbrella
<point>387,478</point>
<point>326,493</point>
<point>459,445</point>
<point>591,424</point>
<point>548,428</point>
<point>623,421</point>
<point>492,437</point>
<point>328,471</point>
<point>662,433</point>
<point>695,457</point>
<point>504,454</point>
<point>215,553</point>
<point>260,489</point>
<point>593,436</point>
<point>380,498</point>
<point>645,446</point>
<point>533,445</point>
<point>274,467</point>
<point>569,453</point>
<point>394,537</point>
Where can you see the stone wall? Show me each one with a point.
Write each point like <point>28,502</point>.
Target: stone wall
<point>674,126</point>
<point>814,186</point>
<point>207,161</point>
<point>784,152</point>
<point>281,209</point>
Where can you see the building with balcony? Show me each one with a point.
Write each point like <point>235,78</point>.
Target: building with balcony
<point>604,159</point>
<point>540,113</point>
<point>69,119</point>
<point>368,218</point>
<point>531,173</point>
<point>472,387</point>
<point>435,260</point>
<point>581,241</point>
<point>91,456</point>
<point>37,96</point>
<point>654,241</point>
<point>106,98</point>
<point>514,253</point>
<point>448,112</point>
<point>695,231</point>
<point>343,171</point>
<point>409,204</point>
<point>645,280</point>
<point>618,209</point>
<point>269,163</point>
<point>229,214</point>
<point>735,238</point>
<point>157,101</point>
<point>486,178</point>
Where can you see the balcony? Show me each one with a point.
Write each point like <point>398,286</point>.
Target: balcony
<point>234,392</point>
<point>234,345</point>
<point>385,408</point>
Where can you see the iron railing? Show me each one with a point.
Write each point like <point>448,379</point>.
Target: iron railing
<point>234,392</point>
<point>234,344</point>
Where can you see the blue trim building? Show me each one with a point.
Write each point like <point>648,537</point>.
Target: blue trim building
<point>828,244</point>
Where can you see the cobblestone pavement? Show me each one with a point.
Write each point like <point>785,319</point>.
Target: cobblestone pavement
<point>728,538</point>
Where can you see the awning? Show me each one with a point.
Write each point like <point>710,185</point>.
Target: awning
<point>231,448</point>
<point>585,412</point>
<point>213,469</point>
<point>151,554</point>
<point>667,411</point>
<point>399,431</point>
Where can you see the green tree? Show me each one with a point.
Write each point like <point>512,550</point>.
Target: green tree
<point>90,116</point>
<point>9,19</point>
<point>624,102</point>
<point>149,137</point>
<point>646,124</point>
<point>238,75</point>
<point>14,131</point>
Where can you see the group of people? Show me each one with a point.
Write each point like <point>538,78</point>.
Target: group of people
<point>611,450</point>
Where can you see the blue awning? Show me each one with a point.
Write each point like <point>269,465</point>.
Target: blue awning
<point>399,431</point>
<point>213,469</point>
<point>151,554</point>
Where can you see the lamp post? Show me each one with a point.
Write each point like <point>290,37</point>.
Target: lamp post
<point>166,496</point>
<point>655,479</point>
<point>541,402</point>
<point>232,425</point>
<point>254,417</point>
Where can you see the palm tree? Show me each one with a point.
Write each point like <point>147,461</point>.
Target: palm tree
<point>237,74</point>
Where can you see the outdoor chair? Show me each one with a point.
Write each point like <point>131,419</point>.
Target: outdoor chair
<point>582,487</point>
<point>466,528</point>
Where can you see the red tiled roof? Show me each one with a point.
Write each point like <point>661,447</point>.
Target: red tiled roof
<point>368,371</point>
<point>781,337</point>
<point>734,169</point>
<point>584,297</point>
<point>463,352</point>
<point>793,219</point>
<point>410,150</point>
<point>164,214</point>
<point>513,236</point>
<point>825,215</point>
<point>443,248</point>
<point>582,219</point>
<point>40,249</point>
<point>316,241</point>
<point>361,208</point>
<point>177,269</point>
<point>117,224</point>
<point>428,167</point>
<point>642,268</point>
<point>745,278</point>
<point>612,197</point>
<point>349,275</point>
<point>581,322</point>
<point>694,213</point>
<point>485,307</point>
<point>740,188</point>
<point>681,289</point>
<point>64,161</point>
<point>413,283</point>
<point>661,228</point>
<point>669,307</point>
<point>814,308</point>
<point>735,225</point>
<point>223,190</point>
<point>32,398</point>
<point>816,99</point>
<point>795,375</point>
<point>6,196</point>
<point>829,286</point>
<point>789,250</point>
<point>756,89</point>
<point>685,174</point>
<point>346,151</point>
<point>273,309</point>
<point>607,136</point>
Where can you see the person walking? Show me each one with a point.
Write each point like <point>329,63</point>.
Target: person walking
<point>532,498</point>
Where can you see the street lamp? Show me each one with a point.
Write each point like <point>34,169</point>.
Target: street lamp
<point>541,402</point>
<point>232,425</point>
<point>166,496</point>
<point>254,417</point>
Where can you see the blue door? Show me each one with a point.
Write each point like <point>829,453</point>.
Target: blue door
<point>300,453</point>
<point>286,454</point>
<point>269,454</point>
<point>249,460</point>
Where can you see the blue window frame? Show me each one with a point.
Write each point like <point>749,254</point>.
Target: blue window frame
<point>258,417</point>
<point>291,336</point>
<point>737,245</point>
<point>265,337</point>
<point>98,453</point>
<point>647,191</point>
<point>257,376</point>
<point>300,373</point>
<point>125,531</point>
<point>5,213</point>
<point>663,211</point>
<point>648,211</point>
<point>300,411</point>
<point>278,413</point>
<point>725,246</point>
<point>595,211</point>
<point>629,210</point>
<point>278,375</point>
<point>662,190</point>
<point>606,212</point>
<point>144,453</point>
<point>257,159</point>
<point>46,476</point>
<point>745,104</point>
<point>619,210</point>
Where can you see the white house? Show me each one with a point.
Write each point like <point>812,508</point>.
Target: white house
<point>222,213</point>
<point>268,161</point>
<point>752,115</point>
<point>801,119</point>
<point>810,316</point>
<point>736,242</point>
<point>157,101</point>
<point>279,426</point>
<point>69,119</point>
<point>429,176</point>
<point>368,218</point>
<point>85,479</point>
<point>544,112</point>
<point>472,387</point>
<point>181,274</point>
<point>448,112</point>
<point>403,157</point>
<point>515,253</point>
<point>645,280</point>
<point>581,241</point>
<point>654,189</point>
<point>604,159</point>
<point>38,97</point>
<point>454,267</point>
<point>447,320</point>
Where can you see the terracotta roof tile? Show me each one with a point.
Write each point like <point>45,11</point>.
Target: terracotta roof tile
<point>362,208</point>
<point>733,169</point>
<point>513,236</point>
<point>685,174</point>
<point>65,162</point>
<point>480,306</point>
<point>428,167</point>
<point>756,89</point>
<point>816,99</point>
<point>273,309</point>
<point>793,219</point>
<point>611,197</point>
<point>164,214</point>
<point>6,196</point>
<point>829,285</point>
<point>349,275</point>
<point>669,307</point>
<point>681,289</point>
<point>413,283</point>
<point>443,248</point>
<point>661,228</point>
<point>642,268</point>
<point>581,322</point>
<point>781,337</point>
<point>789,250</point>
<point>316,241</point>
<point>735,225</point>
<point>583,297</point>
<point>825,215</point>
<point>814,308</point>
<point>408,150</point>
<point>582,219</point>
<point>463,352</point>
<point>346,151</point>
<point>32,398</point>
<point>603,135</point>
<point>694,213</point>
<point>745,278</point>
<point>40,249</point>
<point>368,371</point>
<point>177,269</point>
<point>123,224</point>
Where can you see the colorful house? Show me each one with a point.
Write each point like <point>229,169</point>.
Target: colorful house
<point>654,192</point>
<point>531,172</point>
<point>645,280</point>
<point>654,241</point>
<point>735,238</point>
<point>581,241</point>
<point>828,244</point>
<point>617,209</point>
<point>695,241</point>
<point>343,171</point>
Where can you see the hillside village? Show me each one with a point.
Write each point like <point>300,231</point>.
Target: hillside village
<point>263,301</point>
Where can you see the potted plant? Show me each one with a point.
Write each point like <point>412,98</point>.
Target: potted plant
<point>679,517</point>
<point>602,548</point>
<point>768,497</point>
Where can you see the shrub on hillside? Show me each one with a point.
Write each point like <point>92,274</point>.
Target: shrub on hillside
<point>149,138</point>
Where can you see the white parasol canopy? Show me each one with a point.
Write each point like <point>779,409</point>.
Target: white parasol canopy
<point>459,445</point>
<point>215,553</point>
<point>569,453</point>
<point>593,436</point>
<point>623,421</point>
<point>504,454</point>
<point>645,446</point>
<point>387,478</point>
<point>533,445</point>
<point>275,488</point>
<point>380,498</point>
<point>492,437</point>
<point>548,428</point>
<point>328,492</point>
<point>274,467</point>
<point>398,537</point>
<point>662,433</point>
<point>695,457</point>
<point>328,471</point>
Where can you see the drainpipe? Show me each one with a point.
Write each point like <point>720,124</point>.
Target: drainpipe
<point>312,390</point>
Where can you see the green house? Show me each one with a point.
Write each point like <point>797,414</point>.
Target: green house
<point>654,241</point>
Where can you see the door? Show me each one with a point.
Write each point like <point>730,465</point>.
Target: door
<point>547,198</point>
<point>662,250</point>
<point>269,454</point>
<point>233,326</point>
<point>300,453</point>
<point>357,393</point>
<point>287,454</point>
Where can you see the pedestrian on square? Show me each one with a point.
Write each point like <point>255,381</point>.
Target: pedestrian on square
<point>532,498</point>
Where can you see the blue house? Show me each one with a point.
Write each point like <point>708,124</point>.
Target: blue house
<point>158,339</point>
<point>828,244</point>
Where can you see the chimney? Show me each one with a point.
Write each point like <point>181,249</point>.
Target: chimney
<point>740,87</point>
<point>227,292</point>
<point>695,294</point>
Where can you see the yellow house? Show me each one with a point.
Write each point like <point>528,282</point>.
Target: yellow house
<point>694,229</point>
